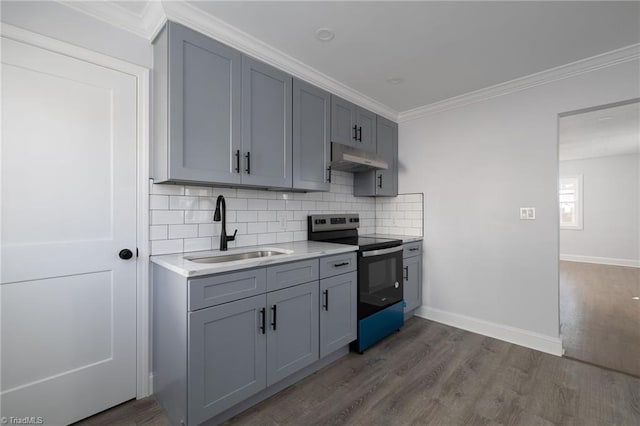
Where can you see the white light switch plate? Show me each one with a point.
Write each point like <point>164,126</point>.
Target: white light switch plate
<point>527,213</point>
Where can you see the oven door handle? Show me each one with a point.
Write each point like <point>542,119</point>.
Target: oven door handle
<point>381,251</point>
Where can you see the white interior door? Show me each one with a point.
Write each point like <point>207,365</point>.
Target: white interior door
<point>68,205</point>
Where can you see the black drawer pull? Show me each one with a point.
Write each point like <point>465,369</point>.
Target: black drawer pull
<point>263,315</point>
<point>326,300</point>
<point>337,265</point>
<point>406,273</point>
<point>274,309</point>
<point>414,249</point>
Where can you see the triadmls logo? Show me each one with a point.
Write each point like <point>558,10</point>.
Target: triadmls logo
<point>27,420</point>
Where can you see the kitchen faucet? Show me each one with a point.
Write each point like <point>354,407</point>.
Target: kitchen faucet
<point>221,214</point>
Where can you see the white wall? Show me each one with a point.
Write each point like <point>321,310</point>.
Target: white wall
<point>62,23</point>
<point>477,165</point>
<point>611,208</point>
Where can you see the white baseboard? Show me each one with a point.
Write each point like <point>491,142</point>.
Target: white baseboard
<point>600,260</point>
<point>518,336</point>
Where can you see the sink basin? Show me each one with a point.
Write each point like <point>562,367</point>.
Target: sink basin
<point>235,256</point>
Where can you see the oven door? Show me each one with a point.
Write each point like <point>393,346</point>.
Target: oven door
<point>379,280</point>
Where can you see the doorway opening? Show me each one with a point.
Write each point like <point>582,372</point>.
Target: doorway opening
<point>599,220</point>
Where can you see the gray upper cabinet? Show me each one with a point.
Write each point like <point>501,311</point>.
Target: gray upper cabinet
<point>226,356</point>
<point>338,311</point>
<point>311,137</point>
<point>266,125</point>
<point>381,182</point>
<point>352,125</point>
<point>196,103</point>
<point>343,122</point>
<point>366,122</point>
<point>292,338</point>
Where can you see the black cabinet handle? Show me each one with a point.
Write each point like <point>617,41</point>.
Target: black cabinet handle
<point>329,174</point>
<point>355,132</point>
<point>337,265</point>
<point>248,157</point>
<point>326,300</point>
<point>274,309</point>
<point>238,161</point>
<point>414,249</point>
<point>263,320</point>
<point>406,273</point>
<point>125,254</point>
<point>360,133</point>
<point>380,181</point>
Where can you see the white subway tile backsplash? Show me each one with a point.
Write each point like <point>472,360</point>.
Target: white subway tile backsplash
<point>166,217</point>
<point>158,202</point>
<point>246,216</point>
<point>182,216</point>
<point>183,203</point>
<point>267,238</point>
<point>158,232</point>
<point>195,244</point>
<point>183,231</point>
<point>267,216</point>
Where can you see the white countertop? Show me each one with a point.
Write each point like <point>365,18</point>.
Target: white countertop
<point>405,238</point>
<point>298,250</point>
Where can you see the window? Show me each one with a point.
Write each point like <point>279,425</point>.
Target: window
<point>571,202</point>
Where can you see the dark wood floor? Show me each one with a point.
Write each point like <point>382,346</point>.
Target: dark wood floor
<point>429,373</point>
<point>600,320</point>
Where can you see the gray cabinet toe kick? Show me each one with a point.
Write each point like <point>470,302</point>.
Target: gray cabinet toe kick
<point>225,341</point>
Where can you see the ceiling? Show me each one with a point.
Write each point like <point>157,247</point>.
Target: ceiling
<point>600,133</point>
<point>440,49</point>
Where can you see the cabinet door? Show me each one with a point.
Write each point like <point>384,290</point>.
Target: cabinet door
<point>366,122</point>
<point>343,122</point>
<point>266,125</point>
<point>338,312</point>
<point>204,108</point>
<point>387,180</point>
<point>292,336</point>
<point>226,356</point>
<point>311,144</point>
<point>412,282</point>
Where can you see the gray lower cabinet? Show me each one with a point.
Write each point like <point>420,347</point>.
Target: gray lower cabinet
<point>338,312</point>
<point>311,139</point>
<point>227,361</point>
<point>292,338</point>
<point>412,282</point>
<point>381,182</point>
<point>213,350</point>
<point>197,133</point>
<point>266,125</point>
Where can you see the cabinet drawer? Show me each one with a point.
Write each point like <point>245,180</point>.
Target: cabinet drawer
<point>216,289</point>
<point>290,274</point>
<point>412,249</point>
<point>338,264</point>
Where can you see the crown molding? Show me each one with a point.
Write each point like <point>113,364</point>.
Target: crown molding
<point>582,66</point>
<point>146,24</point>
<point>154,15</point>
<point>192,17</point>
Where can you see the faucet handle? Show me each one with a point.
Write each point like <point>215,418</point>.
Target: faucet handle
<point>233,237</point>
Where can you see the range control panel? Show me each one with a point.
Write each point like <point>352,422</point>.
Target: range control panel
<point>330,222</point>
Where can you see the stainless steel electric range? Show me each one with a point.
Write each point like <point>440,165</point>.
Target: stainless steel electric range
<point>380,295</point>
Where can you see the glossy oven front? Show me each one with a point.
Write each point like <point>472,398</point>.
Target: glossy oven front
<point>379,279</point>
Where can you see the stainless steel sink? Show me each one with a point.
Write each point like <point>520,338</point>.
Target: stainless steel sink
<point>235,256</point>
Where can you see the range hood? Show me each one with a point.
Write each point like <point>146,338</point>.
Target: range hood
<point>349,159</point>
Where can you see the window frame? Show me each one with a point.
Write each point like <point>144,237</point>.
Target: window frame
<point>579,210</point>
